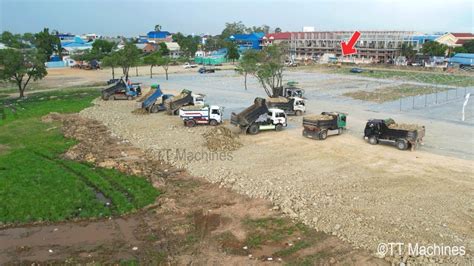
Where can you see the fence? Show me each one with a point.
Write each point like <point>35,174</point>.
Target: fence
<point>427,100</point>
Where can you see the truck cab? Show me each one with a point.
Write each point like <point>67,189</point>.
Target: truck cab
<point>198,99</point>
<point>277,116</point>
<point>208,115</point>
<point>299,106</point>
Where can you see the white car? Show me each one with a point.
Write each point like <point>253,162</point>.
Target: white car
<point>188,65</point>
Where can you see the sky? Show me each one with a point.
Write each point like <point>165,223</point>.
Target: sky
<point>132,18</point>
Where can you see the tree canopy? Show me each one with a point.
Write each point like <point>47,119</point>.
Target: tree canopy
<point>128,57</point>
<point>47,43</point>
<point>22,66</point>
<point>433,48</point>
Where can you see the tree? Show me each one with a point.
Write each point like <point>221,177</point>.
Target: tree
<point>460,49</point>
<point>248,64</point>
<point>20,67</point>
<point>163,49</point>
<point>102,48</point>
<point>47,43</point>
<point>157,27</point>
<point>264,28</point>
<point>111,60</point>
<point>233,28</point>
<point>232,52</point>
<point>128,57</point>
<point>270,69</point>
<point>408,51</point>
<point>12,40</point>
<point>188,44</point>
<point>152,60</point>
<point>469,46</point>
<point>432,48</point>
<point>278,30</point>
<point>164,62</point>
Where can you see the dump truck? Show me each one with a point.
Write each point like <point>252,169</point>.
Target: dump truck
<point>323,125</point>
<point>291,106</point>
<point>118,91</point>
<point>403,136</point>
<point>155,102</point>
<point>258,117</point>
<point>186,97</point>
<point>290,90</point>
<point>203,115</point>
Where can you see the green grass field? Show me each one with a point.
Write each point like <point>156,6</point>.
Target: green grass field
<point>36,184</point>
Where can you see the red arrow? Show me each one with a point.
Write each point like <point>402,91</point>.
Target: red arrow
<point>348,48</point>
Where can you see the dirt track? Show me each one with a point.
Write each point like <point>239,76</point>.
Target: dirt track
<point>364,194</point>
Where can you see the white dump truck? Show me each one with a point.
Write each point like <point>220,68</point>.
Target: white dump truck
<point>291,106</point>
<point>205,115</point>
<point>258,117</point>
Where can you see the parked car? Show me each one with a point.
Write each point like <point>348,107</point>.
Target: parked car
<point>188,65</point>
<point>204,70</point>
<point>356,70</point>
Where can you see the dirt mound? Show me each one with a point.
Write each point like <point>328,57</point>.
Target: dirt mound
<point>411,127</point>
<point>318,117</point>
<point>140,111</point>
<point>221,139</point>
<point>52,117</point>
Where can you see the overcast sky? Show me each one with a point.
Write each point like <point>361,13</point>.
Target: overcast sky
<point>131,18</point>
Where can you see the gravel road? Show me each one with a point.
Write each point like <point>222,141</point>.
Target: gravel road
<point>363,194</point>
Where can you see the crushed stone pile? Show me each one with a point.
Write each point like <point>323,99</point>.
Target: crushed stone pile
<point>221,139</point>
<point>411,127</point>
<point>318,117</point>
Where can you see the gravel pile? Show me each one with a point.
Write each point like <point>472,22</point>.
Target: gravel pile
<point>410,127</point>
<point>364,194</point>
<point>221,139</point>
<point>318,117</point>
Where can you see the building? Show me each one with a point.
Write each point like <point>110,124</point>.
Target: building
<point>420,39</point>
<point>455,39</point>
<point>159,36</point>
<point>372,46</point>
<point>175,50</point>
<point>76,44</point>
<point>281,38</point>
<point>248,41</point>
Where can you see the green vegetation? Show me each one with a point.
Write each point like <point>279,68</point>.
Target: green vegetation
<point>417,76</point>
<point>392,93</point>
<point>37,184</point>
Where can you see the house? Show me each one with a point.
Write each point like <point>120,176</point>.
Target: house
<point>159,36</point>
<point>455,39</point>
<point>175,50</point>
<point>248,41</point>
<point>77,44</point>
<point>276,38</point>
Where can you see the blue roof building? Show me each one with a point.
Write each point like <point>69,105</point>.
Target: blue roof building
<point>248,41</point>
<point>158,34</point>
<point>462,59</point>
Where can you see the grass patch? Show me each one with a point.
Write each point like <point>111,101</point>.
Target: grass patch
<point>392,93</point>
<point>430,78</point>
<point>36,184</point>
<point>314,259</point>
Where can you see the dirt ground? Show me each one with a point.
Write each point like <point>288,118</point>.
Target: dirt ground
<point>193,222</point>
<point>365,195</point>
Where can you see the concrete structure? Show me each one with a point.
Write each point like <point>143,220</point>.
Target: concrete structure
<point>373,46</point>
<point>455,39</point>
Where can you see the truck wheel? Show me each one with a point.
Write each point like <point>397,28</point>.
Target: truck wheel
<point>279,127</point>
<point>175,112</point>
<point>402,144</point>
<point>129,98</point>
<point>190,123</point>
<point>373,140</point>
<point>305,133</point>
<point>154,109</point>
<point>213,122</point>
<point>253,129</point>
<point>323,134</point>
<point>299,113</point>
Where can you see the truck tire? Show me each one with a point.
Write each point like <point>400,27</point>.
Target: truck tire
<point>190,123</point>
<point>402,144</point>
<point>373,140</point>
<point>154,109</point>
<point>129,98</point>
<point>305,133</point>
<point>323,134</point>
<point>299,113</point>
<point>213,122</point>
<point>279,127</point>
<point>253,129</point>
